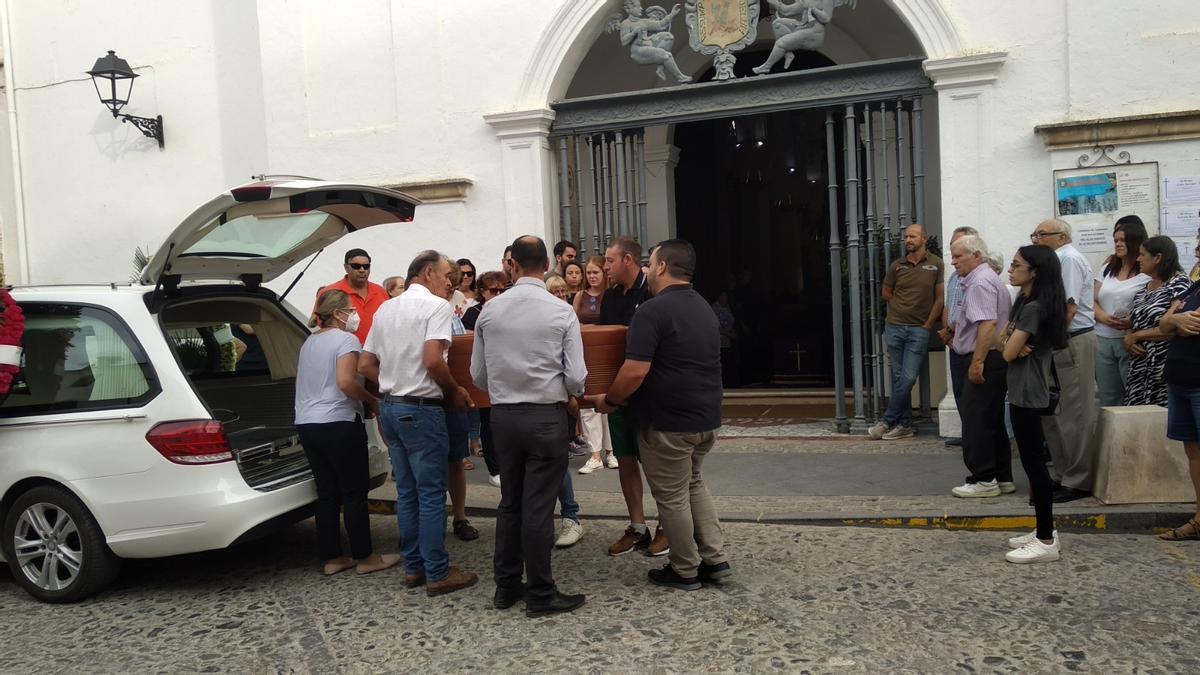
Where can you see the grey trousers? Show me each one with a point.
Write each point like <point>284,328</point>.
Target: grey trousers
<point>531,445</point>
<point>1069,434</point>
<point>671,462</point>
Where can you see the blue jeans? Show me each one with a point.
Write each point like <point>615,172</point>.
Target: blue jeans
<point>420,448</point>
<point>566,498</point>
<point>908,347</point>
<point>1183,413</point>
<point>473,424</point>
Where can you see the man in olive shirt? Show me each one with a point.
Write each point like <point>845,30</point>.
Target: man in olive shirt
<point>912,290</point>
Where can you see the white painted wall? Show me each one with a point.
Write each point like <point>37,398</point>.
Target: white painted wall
<point>395,91</point>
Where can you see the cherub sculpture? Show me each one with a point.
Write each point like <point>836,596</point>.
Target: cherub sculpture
<point>648,36</point>
<point>799,24</point>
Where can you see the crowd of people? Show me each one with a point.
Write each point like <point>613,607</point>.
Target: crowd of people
<point>380,351</point>
<point>1035,359</point>
<point>1031,360</point>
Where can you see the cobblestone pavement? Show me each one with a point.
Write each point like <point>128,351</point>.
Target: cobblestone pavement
<point>803,599</point>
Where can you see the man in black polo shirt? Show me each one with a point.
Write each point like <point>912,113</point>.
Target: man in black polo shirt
<point>623,265</point>
<point>671,379</point>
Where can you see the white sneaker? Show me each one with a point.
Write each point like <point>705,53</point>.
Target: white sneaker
<point>611,461</point>
<point>898,431</point>
<point>1007,487</point>
<point>877,430</point>
<point>495,480</point>
<point>1018,542</point>
<point>982,489</point>
<point>591,465</point>
<point>569,534</point>
<point>1034,552</point>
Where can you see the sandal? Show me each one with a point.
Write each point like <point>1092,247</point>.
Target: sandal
<point>1182,533</point>
<point>468,465</point>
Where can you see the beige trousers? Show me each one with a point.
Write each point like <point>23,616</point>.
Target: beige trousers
<point>1069,434</point>
<point>671,462</point>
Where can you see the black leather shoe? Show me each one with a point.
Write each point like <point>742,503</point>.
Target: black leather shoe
<point>713,573</point>
<point>667,576</point>
<point>954,442</point>
<point>507,597</point>
<point>555,605</point>
<point>1067,494</point>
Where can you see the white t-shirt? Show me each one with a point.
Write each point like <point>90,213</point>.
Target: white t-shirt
<point>319,399</point>
<point>398,335</point>
<point>1116,297</point>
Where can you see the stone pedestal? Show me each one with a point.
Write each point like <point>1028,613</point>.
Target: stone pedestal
<point>1135,461</point>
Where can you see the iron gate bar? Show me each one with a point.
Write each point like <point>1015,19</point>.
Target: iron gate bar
<point>852,254</point>
<point>917,154</point>
<point>597,224</point>
<point>564,185</point>
<point>815,88</point>
<point>605,189</point>
<point>876,358</point>
<point>643,203</point>
<point>622,180</point>
<point>582,241</point>
<point>887,194</point>
<point>901,215</point>
<point>835,270</point>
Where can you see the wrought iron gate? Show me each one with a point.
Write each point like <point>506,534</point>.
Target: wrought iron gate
<point>883,190</point>
<point>602,188</point>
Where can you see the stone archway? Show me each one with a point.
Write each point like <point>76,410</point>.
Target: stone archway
<point>577,24</point>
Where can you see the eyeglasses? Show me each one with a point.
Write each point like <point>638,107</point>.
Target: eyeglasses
<point>498,290</point>
<point>360,266</point>
<point>1014,265</point>
<point>1041,235</point>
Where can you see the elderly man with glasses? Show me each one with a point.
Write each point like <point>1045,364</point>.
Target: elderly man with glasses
<point>1069,433</point>
<point>365,296</point>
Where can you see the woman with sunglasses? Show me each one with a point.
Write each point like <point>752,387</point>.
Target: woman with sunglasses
<point>1037,326</point>
<point>491,284</point>
<point>467,284</point>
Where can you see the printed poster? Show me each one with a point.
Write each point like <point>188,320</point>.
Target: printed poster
<point>1091,200</point>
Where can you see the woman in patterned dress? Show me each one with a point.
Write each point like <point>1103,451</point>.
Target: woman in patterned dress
<point>1145,343</point>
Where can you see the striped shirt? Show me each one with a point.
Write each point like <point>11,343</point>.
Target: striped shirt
<point>953,298</point>
<point>984,298</point>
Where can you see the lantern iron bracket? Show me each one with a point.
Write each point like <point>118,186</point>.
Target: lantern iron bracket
<point>151,127</point>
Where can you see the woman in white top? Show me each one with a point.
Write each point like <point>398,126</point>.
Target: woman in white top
<point>330,405</point>
<point>1115,287</point>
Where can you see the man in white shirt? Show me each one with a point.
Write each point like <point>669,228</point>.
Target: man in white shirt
<point>405,353</point>
<point>1069,433</point>
<point>528,356</point>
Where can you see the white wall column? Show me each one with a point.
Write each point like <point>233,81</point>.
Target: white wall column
<point>661,159</point>
<point>965,87</point>
<point>529,181</point>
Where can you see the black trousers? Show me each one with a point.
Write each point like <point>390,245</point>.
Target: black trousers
<point>531,446</point>
<point>337,453</point>
<point>1031,443</point>
<point>959,363</point>
<point>986,450</point>
<point>488,441</point>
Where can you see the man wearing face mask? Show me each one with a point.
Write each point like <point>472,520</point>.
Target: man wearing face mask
<point>365,296</point>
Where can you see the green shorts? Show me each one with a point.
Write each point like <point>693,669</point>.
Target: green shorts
<point>624,438</point>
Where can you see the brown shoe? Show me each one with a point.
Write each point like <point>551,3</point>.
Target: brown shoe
<point>464,531</point>
<point>629,541</point>
<point>660,545</point>
<point>456,580</point>
<point>414,580</point>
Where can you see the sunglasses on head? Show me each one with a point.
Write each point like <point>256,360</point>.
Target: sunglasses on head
<point>359,266</point>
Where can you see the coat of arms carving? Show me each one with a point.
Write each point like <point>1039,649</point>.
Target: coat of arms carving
<point>721,27</point>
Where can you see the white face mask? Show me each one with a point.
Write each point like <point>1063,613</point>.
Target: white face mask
<point>352,321</point>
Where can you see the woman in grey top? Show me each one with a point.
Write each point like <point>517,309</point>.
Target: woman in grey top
<point>330,401</point>
<point>1037,326</point>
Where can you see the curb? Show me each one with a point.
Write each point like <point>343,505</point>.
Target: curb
<point>1110,522</point>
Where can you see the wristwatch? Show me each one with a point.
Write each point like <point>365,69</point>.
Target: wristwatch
<point>609,402</point>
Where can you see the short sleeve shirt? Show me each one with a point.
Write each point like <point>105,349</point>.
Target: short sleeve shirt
<point>1183,353</point>
<point>1029,376</point>
<point>914,287</point>
<point>677,333</point>
<point>319,399</point>
<point>402,327</point>
<point>1079,286</point>
<point>618,305</point>
<point>366,307</point>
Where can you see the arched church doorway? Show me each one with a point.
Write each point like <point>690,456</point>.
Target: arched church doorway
<point>793,231</point>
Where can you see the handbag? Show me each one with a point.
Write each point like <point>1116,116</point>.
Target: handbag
<point>1051,409</point>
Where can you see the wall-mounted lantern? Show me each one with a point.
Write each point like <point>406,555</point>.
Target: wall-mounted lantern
<point>114,82</point>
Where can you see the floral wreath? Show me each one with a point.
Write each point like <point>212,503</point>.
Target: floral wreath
<point>12,326</point>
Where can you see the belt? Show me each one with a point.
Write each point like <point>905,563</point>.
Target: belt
<point>1081,331</point>
<point>413,400</point>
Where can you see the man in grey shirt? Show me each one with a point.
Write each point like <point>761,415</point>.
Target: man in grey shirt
<point>528,356</point>
<point>1069,433</point>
